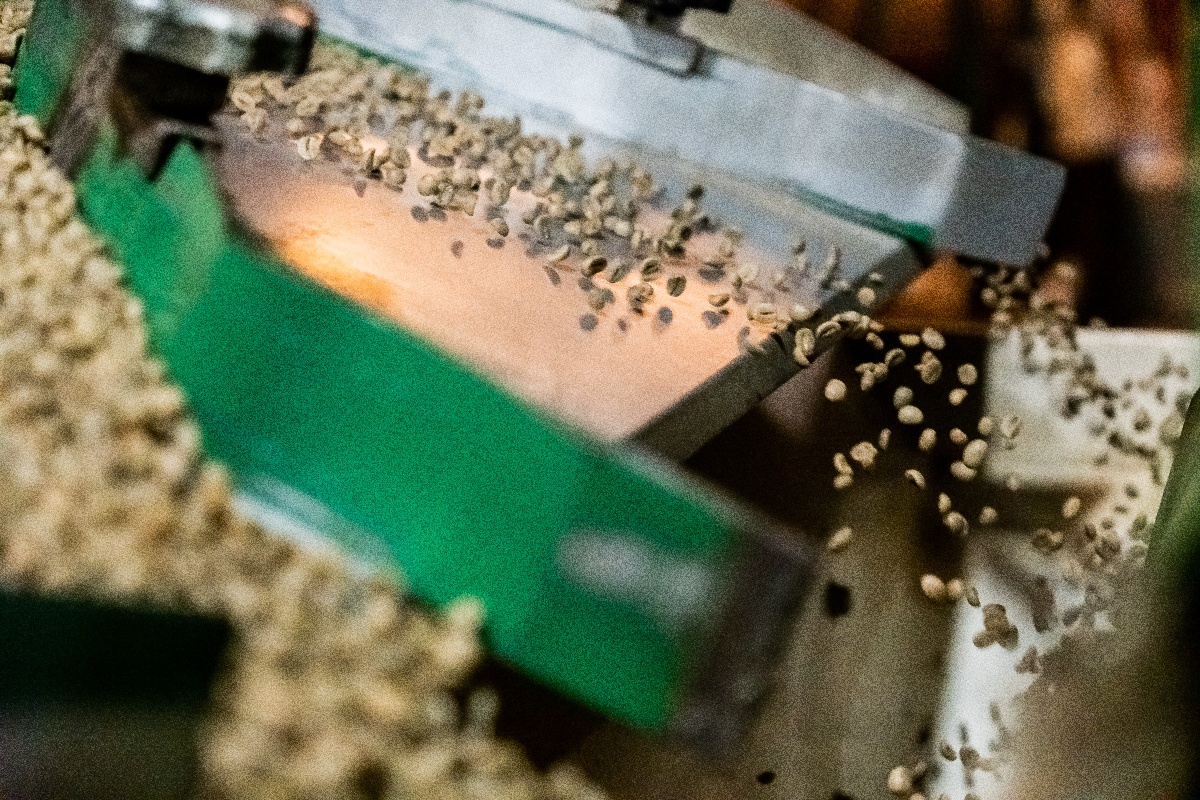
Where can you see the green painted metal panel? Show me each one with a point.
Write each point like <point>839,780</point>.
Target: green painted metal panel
<point>51,51</point>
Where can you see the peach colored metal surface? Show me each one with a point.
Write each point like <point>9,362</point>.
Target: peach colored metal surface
<point>491,304</point>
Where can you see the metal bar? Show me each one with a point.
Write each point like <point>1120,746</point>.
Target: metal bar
<point>893,171</point>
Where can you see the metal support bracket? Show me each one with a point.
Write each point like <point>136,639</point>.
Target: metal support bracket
<point>160,70</point>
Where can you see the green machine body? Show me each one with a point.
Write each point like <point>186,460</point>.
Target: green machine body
<point>605,573</point>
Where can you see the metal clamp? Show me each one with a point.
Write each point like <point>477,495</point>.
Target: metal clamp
<point>159,69</point>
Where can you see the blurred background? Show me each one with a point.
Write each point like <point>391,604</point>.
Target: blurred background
<point>1101,86</point>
